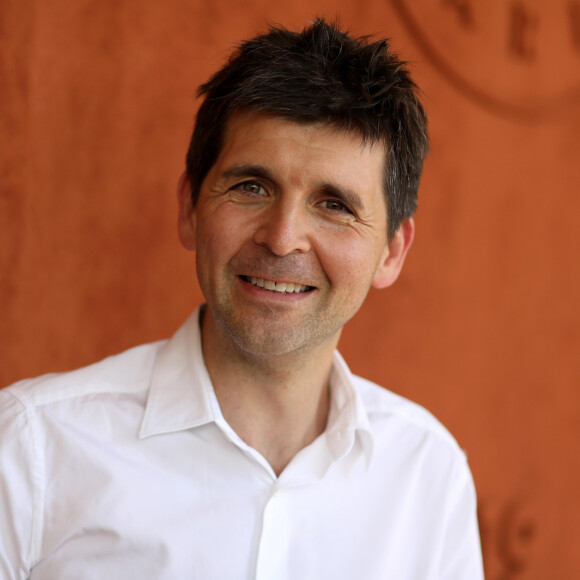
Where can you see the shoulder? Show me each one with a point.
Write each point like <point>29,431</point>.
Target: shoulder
<point>410,441</point>
<point>126,372</point>
<point>388,411</point>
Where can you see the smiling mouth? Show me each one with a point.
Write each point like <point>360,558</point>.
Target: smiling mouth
<point>281,287</point>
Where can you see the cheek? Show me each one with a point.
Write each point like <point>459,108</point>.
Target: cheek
<point>349,260</point>
<point>213,235</point>
<point>219,239</point>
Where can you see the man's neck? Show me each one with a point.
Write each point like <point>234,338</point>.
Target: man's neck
<point>276,404</point>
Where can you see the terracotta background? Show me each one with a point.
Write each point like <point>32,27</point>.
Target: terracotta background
<point>96,107</point>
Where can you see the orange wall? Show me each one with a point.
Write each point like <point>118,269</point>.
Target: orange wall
<point>96,105</point>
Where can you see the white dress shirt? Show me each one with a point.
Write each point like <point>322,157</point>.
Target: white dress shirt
<point>126,469</point>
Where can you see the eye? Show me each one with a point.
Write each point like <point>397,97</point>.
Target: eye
<point>250,187</point>
<point>335,205</point>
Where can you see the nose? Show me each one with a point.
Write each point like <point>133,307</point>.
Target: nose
<point>283,230</point>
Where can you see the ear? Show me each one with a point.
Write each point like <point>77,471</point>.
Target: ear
<point>394,255</point>
<point>186,218</point>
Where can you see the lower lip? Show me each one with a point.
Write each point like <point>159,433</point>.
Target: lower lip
<point>272,295</point>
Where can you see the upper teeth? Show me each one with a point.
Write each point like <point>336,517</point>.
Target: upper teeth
<point>278,286</point>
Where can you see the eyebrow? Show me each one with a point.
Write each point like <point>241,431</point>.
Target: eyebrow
<point>349,197</point>
<point>249,171</point>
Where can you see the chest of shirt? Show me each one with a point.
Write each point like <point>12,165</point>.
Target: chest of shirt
<point>192,504</point>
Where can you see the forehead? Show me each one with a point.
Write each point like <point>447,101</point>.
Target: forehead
<point>317,149</point>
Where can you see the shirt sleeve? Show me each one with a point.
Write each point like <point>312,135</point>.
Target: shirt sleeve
<point>18,473</point>
<point>461,557</point>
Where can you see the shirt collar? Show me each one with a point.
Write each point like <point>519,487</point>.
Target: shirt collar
<point>348,422</point>
<point>181,396</point>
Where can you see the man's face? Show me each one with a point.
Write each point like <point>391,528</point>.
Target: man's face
<point>290,233</point>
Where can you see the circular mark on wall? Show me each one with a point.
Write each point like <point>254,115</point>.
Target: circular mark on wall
<point>519,58</point>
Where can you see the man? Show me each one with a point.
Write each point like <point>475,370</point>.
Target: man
<point>243,447</point>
